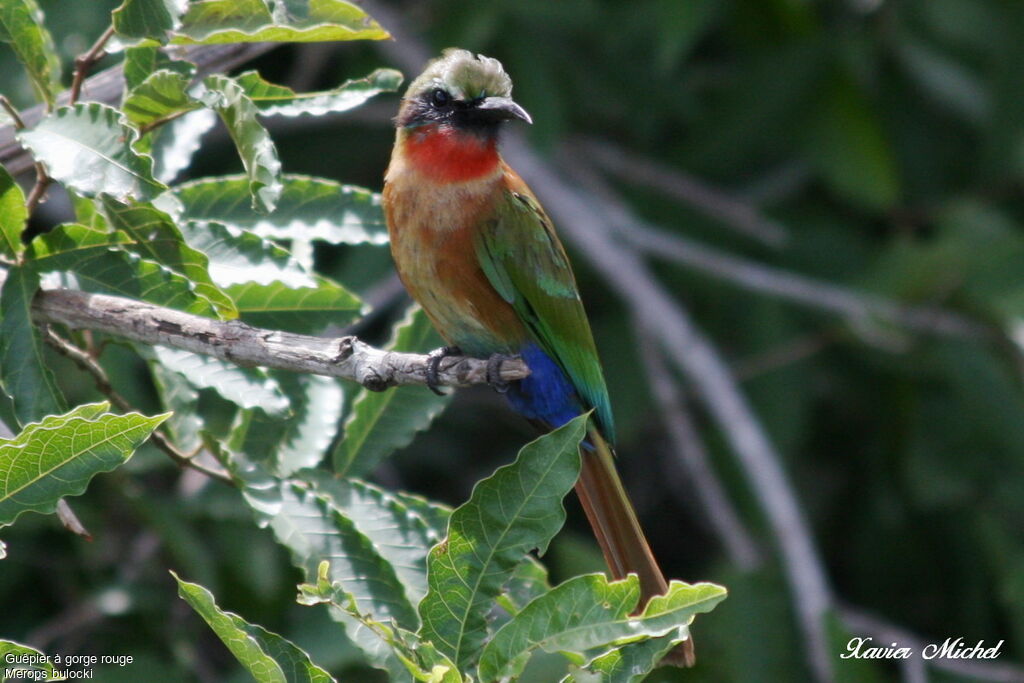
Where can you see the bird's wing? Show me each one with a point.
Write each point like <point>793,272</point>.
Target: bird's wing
<point>527,265</point>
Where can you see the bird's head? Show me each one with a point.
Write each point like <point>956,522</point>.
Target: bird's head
<point>463,92</point>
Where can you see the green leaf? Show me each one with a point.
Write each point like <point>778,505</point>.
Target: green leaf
<point>244,21</point>
<point>13,215</point>
<point>9,650</point>
<point>269,287</point>
<point>155,237</point>
<point>24,374</point>
<point>138,19</point>
<point>58,456</point>
<point>284,445</point>
<point>848,146</point>
<point>268,657</point>
<point>246,387</point>
<point>89,148</point>
<point>162,95</point>
<point>381,422</point>
<point>309,208</point>
<point>181,399</point>
<point>632,662</point>
<point>312,526</point>
<point>259,156</point>
<point>515,510</point>
<point>141,62</point>
<point>589,612</point>
<point>21,25</point>
<point>102,262</point>
<point>277,100</point>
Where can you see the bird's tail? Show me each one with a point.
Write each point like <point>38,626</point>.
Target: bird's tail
<point>618,531</point>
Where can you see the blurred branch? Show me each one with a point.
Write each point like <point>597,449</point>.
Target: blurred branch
<point>684,188</point>
<point>244,345</point>
<point>857,306</point>
<point>885,632</point>
<point>108,85</point>
<point>691,454</point>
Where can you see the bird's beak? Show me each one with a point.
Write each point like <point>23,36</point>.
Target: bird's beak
<point>502,108</point>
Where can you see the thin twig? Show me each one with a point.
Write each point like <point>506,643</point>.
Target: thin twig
<point>85,62</point>
<point>739,544</point>
<point>637,170</point>
<point>12,111</point>
<point>99,375</point>
<point>42,177</point>
<point>244,345</point>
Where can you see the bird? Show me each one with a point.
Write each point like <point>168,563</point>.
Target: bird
<point>474,247</point>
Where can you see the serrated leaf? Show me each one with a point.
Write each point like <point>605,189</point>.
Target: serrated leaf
<point>304,310</point>
<point>237,256</point>
<point>155,237</point>
<point>314,529</point>
<point>181,399</point>
<point>246,387</point>
<point>22,26</point>
<point>256,149</point>
<point>9,650</point>
<point>13,216</point>
<point>175,143</point>
<point>58,456</point>
<point>277,100</point>
<point>381,422</point>
<point>141,62</point>
<point>242,21</point>
<point>515,510</point>
<point>23,371</point>
<point>588,612</point>
<point>632,662</point>
<point>89,148</point>
<point>161,95</point>
<point>309,208</point>
<point>138,19</point>
<point>300,440</point>
<point>102,262</point>
<point>268,657</point>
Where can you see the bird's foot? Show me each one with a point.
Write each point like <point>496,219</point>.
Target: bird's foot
<point>436,356</point>
<point>494,371</point>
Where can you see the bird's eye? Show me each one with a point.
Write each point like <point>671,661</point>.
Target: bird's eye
<point>439,98</point>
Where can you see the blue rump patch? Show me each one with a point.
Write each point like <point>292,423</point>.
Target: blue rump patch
<point>547,394</point>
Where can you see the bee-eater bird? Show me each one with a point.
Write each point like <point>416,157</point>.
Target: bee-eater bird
<point>476,250</point>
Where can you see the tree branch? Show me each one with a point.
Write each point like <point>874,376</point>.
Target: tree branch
<point>242,344</point>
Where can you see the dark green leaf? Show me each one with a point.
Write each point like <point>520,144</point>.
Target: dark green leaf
<point>141,62</point>
<point>381,422</point>
<point>259,156</point>
<point>161,95</point>
<point>236,21</point>
<point>138,19</point>
<point>21,25</point>
<point>268,657</point>
<point>309,208</point>
<point>13,215</point>
<point>24,374</point>
<point>89,148</point>
<point>589,612</point>
<point>175,143</point>
<point>155,237</point>
<point>103,263</point>
<point>58,456</point>
<point>515,510</point>
<point>277,100</point>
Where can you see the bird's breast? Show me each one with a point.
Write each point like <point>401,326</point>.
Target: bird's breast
<point>433,228</point>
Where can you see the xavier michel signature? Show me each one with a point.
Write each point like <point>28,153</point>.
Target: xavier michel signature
<point>950,648</point>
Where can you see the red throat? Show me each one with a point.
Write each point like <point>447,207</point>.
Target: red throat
<point>450,155</point>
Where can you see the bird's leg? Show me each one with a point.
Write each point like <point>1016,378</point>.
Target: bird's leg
<point>436,356</point>
<point>494,371</point>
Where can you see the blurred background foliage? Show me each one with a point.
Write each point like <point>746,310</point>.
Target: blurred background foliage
<point>884,141</point>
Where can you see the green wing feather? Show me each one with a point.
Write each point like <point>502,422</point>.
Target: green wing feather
<point>527,265</point>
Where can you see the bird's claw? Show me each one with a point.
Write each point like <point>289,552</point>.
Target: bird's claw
<point>494,372</point>
<point>436,356</point>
